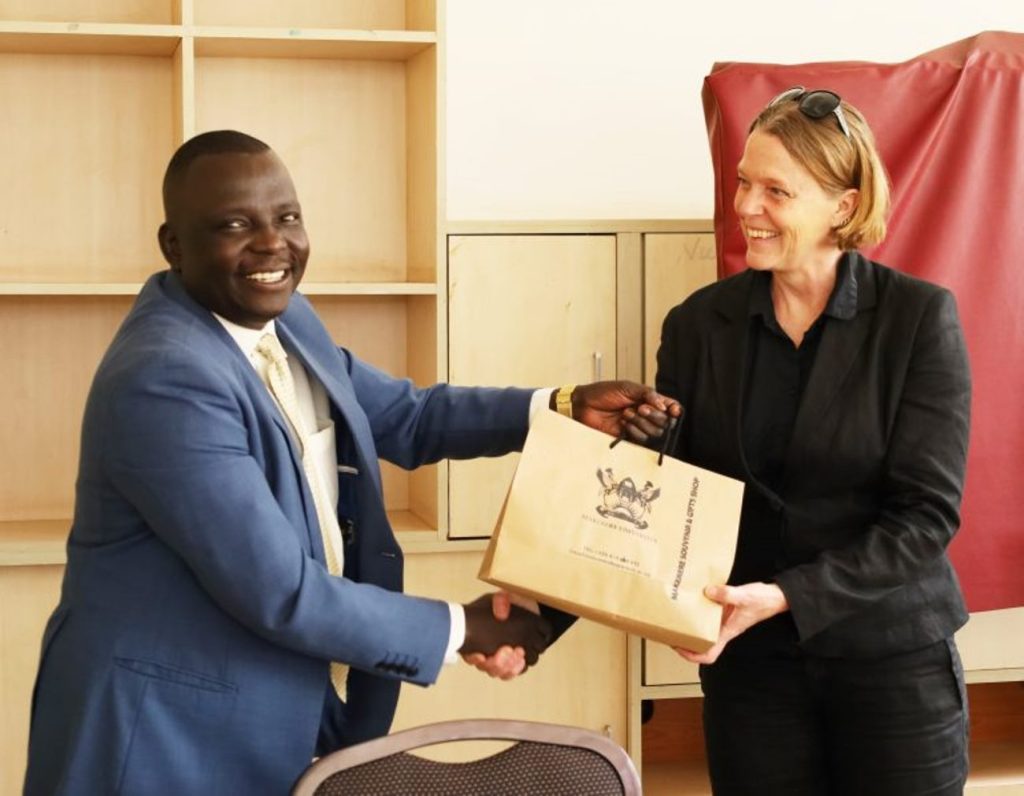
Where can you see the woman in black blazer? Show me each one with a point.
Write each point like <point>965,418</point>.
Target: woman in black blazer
<point>839,391</point>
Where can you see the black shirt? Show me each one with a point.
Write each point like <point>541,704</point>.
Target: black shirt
<point>776,375</point>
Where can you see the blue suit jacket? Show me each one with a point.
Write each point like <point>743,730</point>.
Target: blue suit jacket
<point>189,651</point>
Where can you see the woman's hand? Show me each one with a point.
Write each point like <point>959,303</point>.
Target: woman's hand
<point>744,606</point>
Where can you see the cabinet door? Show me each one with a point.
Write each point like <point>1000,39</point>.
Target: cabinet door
<point>524,310</point>
<point>675,265</point>
<point>663,666</point>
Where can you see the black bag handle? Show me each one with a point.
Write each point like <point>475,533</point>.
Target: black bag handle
<point>667,443</point>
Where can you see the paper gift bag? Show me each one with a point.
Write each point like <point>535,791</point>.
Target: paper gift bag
<point>609,534</point>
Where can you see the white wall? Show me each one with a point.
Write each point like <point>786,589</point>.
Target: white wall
<point>562,109</point>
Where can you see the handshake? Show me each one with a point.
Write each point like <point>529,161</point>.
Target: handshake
<point>503,639</point>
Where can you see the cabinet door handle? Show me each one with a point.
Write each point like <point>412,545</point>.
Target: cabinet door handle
<point>597,366</point>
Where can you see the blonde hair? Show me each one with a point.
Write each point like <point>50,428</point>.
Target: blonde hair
<point>837,163</point>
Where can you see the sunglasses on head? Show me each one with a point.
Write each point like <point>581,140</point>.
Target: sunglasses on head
<point>815,104</point>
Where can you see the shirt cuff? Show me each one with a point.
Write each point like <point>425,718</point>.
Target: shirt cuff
<point>457,634</point>
<point>540,401</point>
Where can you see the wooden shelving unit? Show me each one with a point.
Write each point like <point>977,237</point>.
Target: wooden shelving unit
<point>97,96</point>
<point>346,92</point>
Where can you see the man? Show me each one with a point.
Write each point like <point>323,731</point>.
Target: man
<point>213,599</point>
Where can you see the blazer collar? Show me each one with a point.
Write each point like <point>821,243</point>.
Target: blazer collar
<point>322,361</point>
<point>728,341</point>
<point>841,340</point>
<point>170,285</point>
<point>314,355</point>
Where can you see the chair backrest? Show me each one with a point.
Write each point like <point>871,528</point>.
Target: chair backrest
<point>548,759</point>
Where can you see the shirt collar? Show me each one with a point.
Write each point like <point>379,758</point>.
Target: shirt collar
<point>246,338</point>
<point>842,303</point>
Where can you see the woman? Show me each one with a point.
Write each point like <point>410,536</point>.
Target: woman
<point>839,391</point>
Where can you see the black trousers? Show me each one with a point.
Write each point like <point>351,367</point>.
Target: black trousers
<point>806,726</point>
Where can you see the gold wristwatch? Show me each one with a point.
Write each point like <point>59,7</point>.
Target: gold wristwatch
<point>563,400</point>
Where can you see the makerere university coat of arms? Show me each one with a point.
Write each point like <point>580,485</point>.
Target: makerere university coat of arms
<point>622,499</point>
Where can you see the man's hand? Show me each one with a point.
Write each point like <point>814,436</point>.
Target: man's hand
<point>617,406</point>
<point>507,662</point>
<point>744,606</point>
<point>504,647</point>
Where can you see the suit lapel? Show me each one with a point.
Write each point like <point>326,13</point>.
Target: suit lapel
<point>339,391</point>
<point>176,292</point>
<point>841,342</point>
<point>729,342</point>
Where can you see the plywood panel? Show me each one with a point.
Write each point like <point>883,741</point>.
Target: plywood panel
<point>525,310</point>
<point>27,597</point>
<point>340,128</point>
<point>422,158</point>
<point>425,491</point>
<point>83,207</point>
<point>137,11</point>
<point>663,666</point>
<point>993,640</point>
<point>47,376</point>
<point>675,264</point>
<point>421,15</point>
<point>359,14</point>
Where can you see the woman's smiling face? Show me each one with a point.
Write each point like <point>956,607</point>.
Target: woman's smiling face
<point>786,216</point>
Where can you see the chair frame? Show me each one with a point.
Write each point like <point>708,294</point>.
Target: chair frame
<point>471,730</point>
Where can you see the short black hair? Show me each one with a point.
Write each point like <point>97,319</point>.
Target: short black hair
<point>215,142</point>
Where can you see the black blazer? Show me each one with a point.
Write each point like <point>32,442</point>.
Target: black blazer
<point>875,469</point>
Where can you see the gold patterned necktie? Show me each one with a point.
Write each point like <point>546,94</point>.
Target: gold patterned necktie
<point>278,378</point>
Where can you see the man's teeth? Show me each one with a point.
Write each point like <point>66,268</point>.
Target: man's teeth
<point>760,233</point>
<point>266,276</point>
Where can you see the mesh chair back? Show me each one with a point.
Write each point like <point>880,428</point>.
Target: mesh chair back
<point>546,759</point>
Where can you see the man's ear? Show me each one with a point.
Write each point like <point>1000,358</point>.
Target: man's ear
<point>169,246</point>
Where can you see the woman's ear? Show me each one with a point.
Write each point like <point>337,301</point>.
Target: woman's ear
<point>169,247</point>
<point>846,206</point>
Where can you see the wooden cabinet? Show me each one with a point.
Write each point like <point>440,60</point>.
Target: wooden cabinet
<point>531,310</point>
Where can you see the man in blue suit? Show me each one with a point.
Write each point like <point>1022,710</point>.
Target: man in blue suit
<point>192,648</point>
